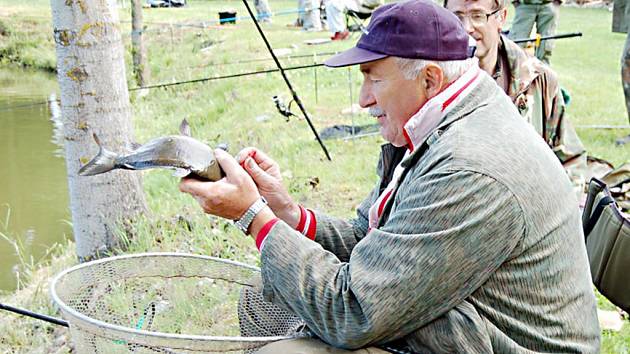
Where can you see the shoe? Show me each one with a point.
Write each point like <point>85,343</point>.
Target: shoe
<point>312,29</point>
<point>297,23</point>
<point>340,36</point>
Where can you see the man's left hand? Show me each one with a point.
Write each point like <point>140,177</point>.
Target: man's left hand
<point>229,197</point>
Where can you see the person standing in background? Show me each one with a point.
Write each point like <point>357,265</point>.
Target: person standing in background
<point>263,10</point>
<point>544,13</point>
<point>621,15</point>
<point>309,16</point>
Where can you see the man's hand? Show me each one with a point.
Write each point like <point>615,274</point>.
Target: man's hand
<point>229,197</point>
<point>266,175</point>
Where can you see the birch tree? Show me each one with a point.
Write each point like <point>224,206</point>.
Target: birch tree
<point>94,98</point>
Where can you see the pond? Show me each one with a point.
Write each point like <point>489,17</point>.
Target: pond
<point>34,202</point>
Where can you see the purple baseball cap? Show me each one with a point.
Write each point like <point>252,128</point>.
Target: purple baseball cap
<point>414,29</point>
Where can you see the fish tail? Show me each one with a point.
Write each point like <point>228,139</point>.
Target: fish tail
<point>103,162</point>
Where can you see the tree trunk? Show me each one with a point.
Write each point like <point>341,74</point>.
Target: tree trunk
<point>94,99</point>
<point>140,68</point>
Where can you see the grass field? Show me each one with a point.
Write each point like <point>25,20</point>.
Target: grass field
<point>241,112</point>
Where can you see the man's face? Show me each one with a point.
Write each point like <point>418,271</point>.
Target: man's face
<point>391,98</point>
<point>486,33</point>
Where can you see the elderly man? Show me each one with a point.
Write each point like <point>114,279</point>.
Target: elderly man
<point>471,240</point>
<point>532,85</point>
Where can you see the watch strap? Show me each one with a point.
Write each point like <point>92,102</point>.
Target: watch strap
<point>247,218</point>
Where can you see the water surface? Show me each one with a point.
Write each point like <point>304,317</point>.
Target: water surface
<point>33,187</point>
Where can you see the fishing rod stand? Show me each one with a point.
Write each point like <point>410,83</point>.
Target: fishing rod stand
<point>282,108</point>
<point>286,80</point>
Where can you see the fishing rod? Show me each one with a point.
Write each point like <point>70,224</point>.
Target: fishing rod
<point>540,38</point>
<point>35,315</point>
<point>204,24</point>
<point>288,57</point>
<point>213,78</point>
<point>286,80</point>
<point>603,126</point>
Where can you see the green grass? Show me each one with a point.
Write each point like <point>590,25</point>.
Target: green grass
<point>227,111</point>
<point>589,67</point>
<point>25,35</point>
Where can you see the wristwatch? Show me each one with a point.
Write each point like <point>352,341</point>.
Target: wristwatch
<point>247,218</point>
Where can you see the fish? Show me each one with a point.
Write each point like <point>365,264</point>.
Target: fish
<point>188,156</point>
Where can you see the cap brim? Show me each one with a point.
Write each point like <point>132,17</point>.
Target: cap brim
<point>353,56</point>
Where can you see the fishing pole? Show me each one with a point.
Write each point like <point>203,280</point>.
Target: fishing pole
<point>539,38</point>
<point>286,80</point>
<point>35,315</point>
<point>204,24</point>
<point>288,57</point>
<point>213,78</point>
<point>603,126</point>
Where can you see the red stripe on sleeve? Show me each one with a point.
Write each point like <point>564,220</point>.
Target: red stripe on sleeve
<point>264,231</point>
<point>300,225</point>
<point>312,227</point>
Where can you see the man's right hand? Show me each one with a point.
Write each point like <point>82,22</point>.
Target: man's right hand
<point>266,174</point>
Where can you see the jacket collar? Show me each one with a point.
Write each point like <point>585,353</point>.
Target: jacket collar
<point>433,112</point>
<point>523,69</point>
<point>485,89</point>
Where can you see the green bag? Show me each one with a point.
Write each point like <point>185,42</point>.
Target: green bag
<point>607,234</point>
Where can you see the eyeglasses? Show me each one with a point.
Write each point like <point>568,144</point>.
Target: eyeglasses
<point>476,19</point>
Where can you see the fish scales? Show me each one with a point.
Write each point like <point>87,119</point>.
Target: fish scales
<point>183,153</point>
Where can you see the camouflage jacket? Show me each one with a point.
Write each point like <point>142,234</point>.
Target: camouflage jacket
<point>534,89</point>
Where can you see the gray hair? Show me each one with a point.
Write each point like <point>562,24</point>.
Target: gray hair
<point>452,69</point>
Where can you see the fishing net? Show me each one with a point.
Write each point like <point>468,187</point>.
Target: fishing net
<point>168,303</point>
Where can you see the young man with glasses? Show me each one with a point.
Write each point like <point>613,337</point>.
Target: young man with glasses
<point>532,85</point>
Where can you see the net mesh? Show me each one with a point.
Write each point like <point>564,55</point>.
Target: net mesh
<point>168,303</point>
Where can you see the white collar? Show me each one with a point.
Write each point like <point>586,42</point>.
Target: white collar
<point>433,111</point>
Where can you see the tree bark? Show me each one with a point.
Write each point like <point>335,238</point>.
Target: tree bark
<point>139,53</point>
<point>94,99</point>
